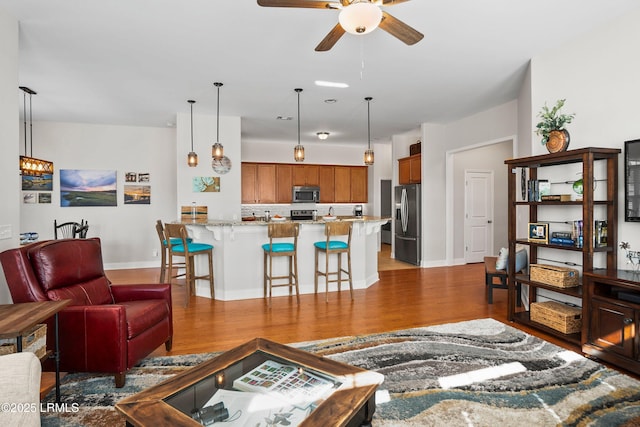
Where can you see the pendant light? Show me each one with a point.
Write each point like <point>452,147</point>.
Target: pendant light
<point>192,157</point>
<point>368,155</point>
<point>298,151</point>
<point>29,165</point>
<point>217,151</point>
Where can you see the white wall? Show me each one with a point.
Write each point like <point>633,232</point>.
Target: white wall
<point>490,158</point>
<point>496,124</point>
<point>598,75</point>
<point>127,231</point>
<point>9,137</point>
<point>226,203</point>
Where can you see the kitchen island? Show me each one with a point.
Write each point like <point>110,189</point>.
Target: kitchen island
<point>238,256</point>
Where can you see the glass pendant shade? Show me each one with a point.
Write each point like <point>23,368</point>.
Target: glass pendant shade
<point>192,157</point>
<point>368,154</point>
<point>360,18</point>
<point>368,157</point>
<point>298,153</point>
<point>217,150</point>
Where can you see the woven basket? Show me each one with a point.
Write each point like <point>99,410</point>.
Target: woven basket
<point>561,277</point>
<point>35,341</point>
<point>558,316</point>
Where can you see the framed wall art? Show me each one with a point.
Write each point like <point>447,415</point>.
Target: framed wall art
<point>88,188</point>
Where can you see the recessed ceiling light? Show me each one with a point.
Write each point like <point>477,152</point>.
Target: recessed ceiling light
<point>323,135</point>
<point>331,101</point>
<point>284,118</point>
<point>331,84</point>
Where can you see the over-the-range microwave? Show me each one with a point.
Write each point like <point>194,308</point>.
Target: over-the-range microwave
<point>300,194</point>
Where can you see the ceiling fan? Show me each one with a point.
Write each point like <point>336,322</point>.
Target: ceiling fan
<point>356,17</point>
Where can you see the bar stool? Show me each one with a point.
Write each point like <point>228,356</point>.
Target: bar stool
<point>164,251</point>
<point>328,247</point>
<point>280,249</point>
<point>188,251</point>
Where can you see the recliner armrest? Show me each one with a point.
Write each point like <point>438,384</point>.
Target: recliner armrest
<point>137,292</point>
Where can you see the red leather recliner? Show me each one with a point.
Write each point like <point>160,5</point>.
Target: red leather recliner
<point>107,328</point>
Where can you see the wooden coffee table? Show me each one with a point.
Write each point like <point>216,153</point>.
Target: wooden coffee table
<point>17,319</point>
<point>348,398</point>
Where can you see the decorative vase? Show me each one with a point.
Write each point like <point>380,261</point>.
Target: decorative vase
<point>558,141</point>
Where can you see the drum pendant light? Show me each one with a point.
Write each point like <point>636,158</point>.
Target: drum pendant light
<point>298,151</point>
<point>217,151</point>
<point>192,157</point>
<point>368,155</point>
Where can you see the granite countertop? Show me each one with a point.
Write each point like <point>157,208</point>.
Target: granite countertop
<point>252,222</point>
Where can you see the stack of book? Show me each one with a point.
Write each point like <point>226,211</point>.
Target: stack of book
<point>562,238</point>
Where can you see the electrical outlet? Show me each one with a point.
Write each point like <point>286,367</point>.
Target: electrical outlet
<point>155,253</point>
<point>5,232</point>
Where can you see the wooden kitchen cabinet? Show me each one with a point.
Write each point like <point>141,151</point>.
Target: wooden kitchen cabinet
<point>272,182</point>
<point>359,184</point>
<point>306,175</point>
<point>327,184</point>
<point>284,182</point>
<point>351,184</point>
<point>410,169</point>
<point>342,176</point>
<point>258,183</point>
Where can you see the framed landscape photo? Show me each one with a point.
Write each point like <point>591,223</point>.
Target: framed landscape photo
<point>539,232</point>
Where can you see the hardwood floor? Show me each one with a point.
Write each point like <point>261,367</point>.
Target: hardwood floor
<point>404,297</point>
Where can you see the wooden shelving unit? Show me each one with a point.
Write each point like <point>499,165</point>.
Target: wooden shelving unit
<point>588,157</point>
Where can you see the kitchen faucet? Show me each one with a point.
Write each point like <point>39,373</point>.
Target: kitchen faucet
<point>330,210</point>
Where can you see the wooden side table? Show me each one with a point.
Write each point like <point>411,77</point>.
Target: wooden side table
<point>17,319</point>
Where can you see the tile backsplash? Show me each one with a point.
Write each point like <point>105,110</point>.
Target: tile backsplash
<point>285,210</point>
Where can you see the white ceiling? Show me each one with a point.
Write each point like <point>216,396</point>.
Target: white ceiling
<point>137,62</point>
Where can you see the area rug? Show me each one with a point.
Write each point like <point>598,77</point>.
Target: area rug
<point>474,373</point>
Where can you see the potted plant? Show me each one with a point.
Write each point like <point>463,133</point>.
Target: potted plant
<point>552,127</point>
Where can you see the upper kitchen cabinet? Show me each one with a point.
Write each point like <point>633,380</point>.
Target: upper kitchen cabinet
<point>410,169</point>
<point>284,182</point>
<point>326,175</point>
<point>258,183</point>
<point>306,175</point>
<point>272,182</point>
<point>350,184</point>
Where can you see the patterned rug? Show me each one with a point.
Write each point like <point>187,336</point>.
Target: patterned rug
<point>475,373</point>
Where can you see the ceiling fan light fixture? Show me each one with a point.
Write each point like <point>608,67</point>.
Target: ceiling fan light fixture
<point>360,18</point>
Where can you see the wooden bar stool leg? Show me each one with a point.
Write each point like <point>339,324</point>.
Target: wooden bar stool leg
<point>163,265</point>
<point>339,271</point>
<point>211,280</point>
<point>326,275</point>
<point>295,269</point>
<point>315,276</point>
<point>349,269</point>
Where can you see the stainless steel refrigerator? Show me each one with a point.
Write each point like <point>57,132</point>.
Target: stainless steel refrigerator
<point>407,223</point>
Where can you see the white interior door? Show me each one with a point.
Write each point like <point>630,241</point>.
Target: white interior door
<point>478,219</point>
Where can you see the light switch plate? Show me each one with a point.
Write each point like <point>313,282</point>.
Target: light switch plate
<point>5,232</point>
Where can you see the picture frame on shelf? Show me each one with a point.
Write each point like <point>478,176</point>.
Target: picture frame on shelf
<point>539,232</point>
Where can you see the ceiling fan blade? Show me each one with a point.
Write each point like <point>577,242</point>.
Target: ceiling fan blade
<point>392,2</point>
<point>299,3</point>
<point>331,39</point>
<point>399,29</point>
